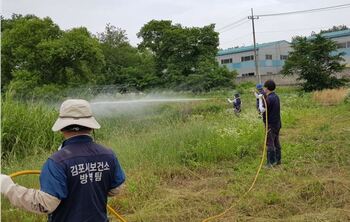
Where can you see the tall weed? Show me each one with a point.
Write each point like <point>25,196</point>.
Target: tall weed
<point>26,128</point>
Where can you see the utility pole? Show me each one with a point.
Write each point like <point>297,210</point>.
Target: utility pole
<point>252,17</point>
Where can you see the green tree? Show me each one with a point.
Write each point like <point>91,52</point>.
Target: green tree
<point>20,38</point>
<point>37,56</point>
<point>74,59</point>
<point>8,23</point>
<point>153,36</point>
<point>210,76</point>
<point>126,66</point>
<point>179,53</point>
<point>113,36</point>
<point>315,61</point>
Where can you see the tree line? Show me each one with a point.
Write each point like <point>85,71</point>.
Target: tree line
<point>40,58</point>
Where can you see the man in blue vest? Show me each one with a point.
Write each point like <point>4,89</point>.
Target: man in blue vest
<point>274,122</point>
<point>76,180</point>
<point>236,104</point>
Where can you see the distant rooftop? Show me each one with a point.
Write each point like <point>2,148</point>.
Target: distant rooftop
<point>251,47</point>
<point>248,48</point>
<point>336,34</point>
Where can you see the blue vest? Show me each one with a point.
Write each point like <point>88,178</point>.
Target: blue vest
<point>237,103</point>
<point>80,175</point>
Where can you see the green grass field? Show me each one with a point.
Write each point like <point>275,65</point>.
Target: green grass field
<point>189,161</point>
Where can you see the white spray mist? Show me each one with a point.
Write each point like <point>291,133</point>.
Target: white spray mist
<point>134,104</point>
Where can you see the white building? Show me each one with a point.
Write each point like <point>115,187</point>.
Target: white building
<point>271,55</point>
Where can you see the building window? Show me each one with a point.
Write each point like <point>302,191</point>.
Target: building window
<point>269,73</point>
<point>248,74</point>
<point>283,57</point>
<point>225,61</point>
<point>348,44</point>
<point>247,58</point>
<point>268,57</point>
<point>341,45</point>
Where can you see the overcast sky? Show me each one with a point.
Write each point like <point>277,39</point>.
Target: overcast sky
<point>131,15</point>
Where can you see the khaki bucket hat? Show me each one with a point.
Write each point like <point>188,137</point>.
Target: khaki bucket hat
<point>75,112</point>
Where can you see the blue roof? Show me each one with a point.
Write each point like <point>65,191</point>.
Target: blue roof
<point>248,48</point>
<point>332,35</point>
<point>263,45</point>
<point>336,34</point>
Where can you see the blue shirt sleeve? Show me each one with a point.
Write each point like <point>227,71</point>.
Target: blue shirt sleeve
<point>118,177</point>
<point>53,180</point>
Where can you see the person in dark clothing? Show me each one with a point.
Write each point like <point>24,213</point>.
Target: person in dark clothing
<point>76,180</point>
<point>274,122</point>
<point>236,102</point>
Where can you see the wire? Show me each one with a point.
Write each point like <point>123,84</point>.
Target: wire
<point>231,24</point>
<point>243,20</point>
<point>233,27</point>
<point>307,11</point>
<point>239,22</point>
<point>291,30</point>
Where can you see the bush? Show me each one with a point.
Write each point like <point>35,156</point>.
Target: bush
<point>50,92</point>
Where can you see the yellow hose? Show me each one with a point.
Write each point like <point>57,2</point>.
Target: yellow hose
<point>256,175</point>
<point>24,172</point>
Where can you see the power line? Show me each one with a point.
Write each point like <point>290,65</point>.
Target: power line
<point>291,30</point>
<point>239,22</point>
<point>237,25</point>
<point>307,11</point>
<point>242,21</point>
<point>232,24</point>
<point>275,31</point>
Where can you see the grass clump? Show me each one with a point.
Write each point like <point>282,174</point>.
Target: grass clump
<point>331,96</point>
<point>26,128</point>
